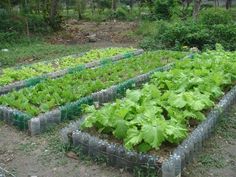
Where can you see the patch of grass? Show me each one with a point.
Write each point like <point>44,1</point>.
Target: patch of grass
<point>212,160</point>
<point>27,147</point>
<point>227,125</point>
<point>55,150</point>
<point>214,155</point>
<point>147,28</point>
<point>35,51</point>
<point>1,123</point>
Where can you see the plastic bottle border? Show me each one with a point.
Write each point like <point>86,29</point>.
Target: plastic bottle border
<point>172,166</point>
<point>193,144</point>
<point>40,123</point>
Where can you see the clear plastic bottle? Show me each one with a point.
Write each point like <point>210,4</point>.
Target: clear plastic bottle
<point>1,174</point>
<point>181,152</point>
<point>64,135</point>
<point>121,161</point>
<point>177,164</point>
<point>152,161</point>
<point>34,125</point>
<point>188,147</point>
<point>168,168</point>
<point>143,161</point>
<point>84,143</point>
<point>211,126</point>
<point>92,151</point>
<point>198,141</point>
<point>5,114</point>
<point>76,138</point>
<point>111,153</point>
<point>101,146</point>
<point>191,149</point>
<point>1,113</point>
<point>186,154</point>
<point>132,159</point>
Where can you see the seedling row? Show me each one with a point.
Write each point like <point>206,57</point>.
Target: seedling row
<point>95,63</point>
<point>11,75</point>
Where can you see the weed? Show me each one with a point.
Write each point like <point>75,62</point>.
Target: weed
<point>27,147</point>
<point>212,160</point>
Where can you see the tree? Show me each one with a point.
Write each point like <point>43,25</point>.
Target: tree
<point>6,4</point>
<point>113,6</point>
<point>196,8</point>
<point>81,5</point>
<point>228,4</point>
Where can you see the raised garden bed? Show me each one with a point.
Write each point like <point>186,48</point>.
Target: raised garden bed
<point>134,134</point>
<point>30,75</point>
<point>31,106</point>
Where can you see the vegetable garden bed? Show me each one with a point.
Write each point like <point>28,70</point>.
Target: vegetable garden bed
<point>164,111</point>
<point>30,75</point>
<point>55,100</point>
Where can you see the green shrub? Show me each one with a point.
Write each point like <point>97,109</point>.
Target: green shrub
<point>162,8</point>
<point>191,34</point>
<point>121,13</point>
<point>37,24</point>
<point>18,23</point>
<point>8,37</point>
<point>10,22</point>
<point>212,16</point>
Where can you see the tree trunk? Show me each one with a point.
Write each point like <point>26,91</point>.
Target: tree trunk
<point>113,7</point>
<point>54,19</point>
<point>131,3</point>
<point>196,9</point>
<point>54,10</point>
<point>67,8</point>
<point>9,5</point>
<point>228,4</point>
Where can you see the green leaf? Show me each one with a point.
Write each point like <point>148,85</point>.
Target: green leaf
<point>153,135</point>
<point>144,147</point>
<point>120,129</point>
<point>44,107</point>
<point>198,105</point>
<point>175,133</point>
<point>133,95</point>
<point>134,137</point>
<point>177,100</point>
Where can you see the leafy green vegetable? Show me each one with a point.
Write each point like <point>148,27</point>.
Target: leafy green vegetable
<point>10,75</point>
<point>161,110</point>
<point>57,92</point>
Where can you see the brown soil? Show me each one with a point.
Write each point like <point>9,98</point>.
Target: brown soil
<point>43,156</point>
<point>78,32</point>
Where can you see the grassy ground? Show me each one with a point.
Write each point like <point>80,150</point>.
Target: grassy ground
<point>37,50</point>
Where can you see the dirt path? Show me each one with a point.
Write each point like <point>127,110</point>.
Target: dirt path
<point>78,32</point>
<point>219,156</point>
<point>44,156</point>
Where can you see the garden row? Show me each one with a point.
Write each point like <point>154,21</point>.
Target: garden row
<point>11,75</point>
<point>159,115</point>
<point>65,94</point>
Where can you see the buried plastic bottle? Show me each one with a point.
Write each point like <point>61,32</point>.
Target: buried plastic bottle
<point>168,169</point>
